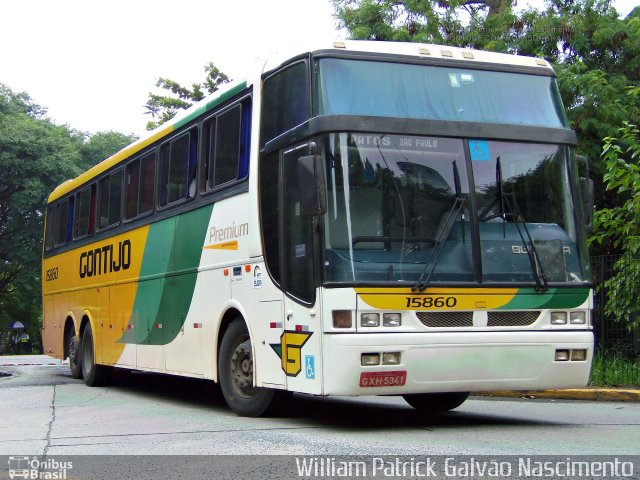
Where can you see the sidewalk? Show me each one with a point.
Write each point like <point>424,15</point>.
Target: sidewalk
<point>587,393</point>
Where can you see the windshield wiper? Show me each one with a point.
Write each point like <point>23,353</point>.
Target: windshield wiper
<point>513,210</point>
<point>456,210</point>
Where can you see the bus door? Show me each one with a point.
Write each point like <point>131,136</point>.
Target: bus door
<point>301,336</point>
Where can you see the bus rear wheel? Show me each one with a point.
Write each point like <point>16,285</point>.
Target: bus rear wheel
<point>75,353</point>
<point>436,402</point>
<point>94,375</point>
<point>235,373</point>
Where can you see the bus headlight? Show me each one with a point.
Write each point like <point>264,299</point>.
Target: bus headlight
<point>578,318</point>
<point>370,320</point>
<point>558,318</point>
<point>391,319</point>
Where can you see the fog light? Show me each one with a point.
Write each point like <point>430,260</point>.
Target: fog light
<point>558,318</point>
<point>578,355</point>
<point>562,355</point>
<point>391,358</point>
<point>391,320</point>
<point>369,359</point>
<point>370,319</point>
<point>578,318</point>
<point>341,318</point>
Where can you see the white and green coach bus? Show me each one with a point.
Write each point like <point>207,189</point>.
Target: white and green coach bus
<point>366,218</point>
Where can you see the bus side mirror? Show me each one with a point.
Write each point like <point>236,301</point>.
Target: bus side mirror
<point>311,184</point>
<point>586,190</point>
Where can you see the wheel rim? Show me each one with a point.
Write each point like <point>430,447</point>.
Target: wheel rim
<point>242,370</point>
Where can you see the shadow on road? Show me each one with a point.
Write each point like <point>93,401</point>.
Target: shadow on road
<point>336,412</point>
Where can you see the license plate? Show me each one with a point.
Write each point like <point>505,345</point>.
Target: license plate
<point>383,379</point>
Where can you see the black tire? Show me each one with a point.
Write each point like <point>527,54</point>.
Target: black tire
<point>235,374</point>
<point>94,375</point>
<point>436,402</point>
<point>75,354</point>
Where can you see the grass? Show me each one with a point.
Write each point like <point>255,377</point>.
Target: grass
<point>611,368</point>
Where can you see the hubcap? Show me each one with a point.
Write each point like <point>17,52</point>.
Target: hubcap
<point>242,370</point>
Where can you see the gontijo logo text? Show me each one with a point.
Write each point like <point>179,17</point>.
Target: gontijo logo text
<point>107,259</point>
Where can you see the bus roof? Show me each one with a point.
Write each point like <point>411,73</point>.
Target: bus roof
<point>419,50</point>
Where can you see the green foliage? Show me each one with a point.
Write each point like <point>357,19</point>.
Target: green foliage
<point>611,368</point>
<point>102,145</point>
<point>619,226</point>
<point>163,108</point>
<point>36,155</point>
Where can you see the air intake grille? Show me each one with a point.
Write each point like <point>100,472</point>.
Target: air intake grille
<point>446,319</point>
<point>512,318</point>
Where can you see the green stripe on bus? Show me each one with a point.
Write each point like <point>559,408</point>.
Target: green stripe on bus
<point>210,105</point>
<point>169,272</point>
<point>528,298</point>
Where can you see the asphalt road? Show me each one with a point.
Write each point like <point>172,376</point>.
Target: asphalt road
<point>46,412</point>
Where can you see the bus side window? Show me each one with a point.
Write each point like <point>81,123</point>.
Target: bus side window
<point>62,222</point>
<point>139,186</point>
<point>226,146</point>
<point>110,192</point>
<point>85,205</point>
<point>178,160</point>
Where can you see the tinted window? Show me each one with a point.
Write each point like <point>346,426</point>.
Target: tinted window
<point>269,212</point>
<point>285,101</point>
<point>140,176</point>
<point>110,191</point>
<point>227,137</point>
<point>178,168</point>
<point>61,221</point>
<point>85,212</point>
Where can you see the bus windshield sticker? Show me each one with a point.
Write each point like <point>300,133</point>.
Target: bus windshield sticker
<point>479,150</point>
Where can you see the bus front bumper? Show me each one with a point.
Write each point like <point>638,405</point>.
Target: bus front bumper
<point>456,362</point>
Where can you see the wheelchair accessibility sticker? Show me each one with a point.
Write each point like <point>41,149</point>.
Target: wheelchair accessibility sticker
<point>309,367</point>
<point>479,150</point>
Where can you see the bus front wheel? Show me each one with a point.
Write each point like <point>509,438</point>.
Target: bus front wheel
<point>436,402</point>
<point>235,374</point>
<point>94,375</point>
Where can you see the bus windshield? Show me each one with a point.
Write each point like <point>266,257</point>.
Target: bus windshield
<point>400,204</point>
<point>401,90</point>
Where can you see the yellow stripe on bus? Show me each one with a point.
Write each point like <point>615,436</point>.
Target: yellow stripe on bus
<point>436,298</point>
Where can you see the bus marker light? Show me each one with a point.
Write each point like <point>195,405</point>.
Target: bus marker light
<point>578,355</point>
<point>558,318</point>
<point>158,325</point>
<point>391,358</point>
<point>391,319</point>
<point>370,320</point>
<point>302,328</point>
<point>226,272</point>
<point>130,326</point>
<point>562,355</point>
<point>197,325</point>
<point>247,268</point>
<point>275,325</point>
<point>341,318</point>
<point>369,359</point>
<point>578,318</point>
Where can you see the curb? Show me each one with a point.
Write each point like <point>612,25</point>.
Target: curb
<point>594,394</point>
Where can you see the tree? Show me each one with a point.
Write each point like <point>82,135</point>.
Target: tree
<point>620,225</point>
<point>163,108</point>
<point>101,146</point>
<point>36,155</point>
